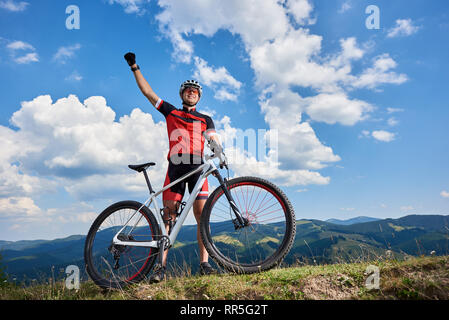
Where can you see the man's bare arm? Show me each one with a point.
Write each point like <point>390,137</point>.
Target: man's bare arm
<point>145,87</point>
<point>143,84</point>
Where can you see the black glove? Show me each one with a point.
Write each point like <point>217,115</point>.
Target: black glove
<point>130,58</point>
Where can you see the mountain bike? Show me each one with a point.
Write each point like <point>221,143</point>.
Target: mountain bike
<point>247,225</point>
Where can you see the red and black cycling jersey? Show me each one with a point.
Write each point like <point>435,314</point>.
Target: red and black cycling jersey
<point>186,145</point>
<point>185,130</point>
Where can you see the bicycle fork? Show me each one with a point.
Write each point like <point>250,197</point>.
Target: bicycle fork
<point>239,221</point>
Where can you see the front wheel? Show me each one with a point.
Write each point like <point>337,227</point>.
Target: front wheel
<point>115,266</point>
<point>267,238</point>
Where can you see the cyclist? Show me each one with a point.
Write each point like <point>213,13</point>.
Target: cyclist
<point>185,129</point>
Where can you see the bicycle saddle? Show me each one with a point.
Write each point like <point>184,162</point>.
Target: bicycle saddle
<point>141,167</point>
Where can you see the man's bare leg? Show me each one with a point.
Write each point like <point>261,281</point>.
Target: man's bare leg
<point>198,206</point>
<point>171,207</point>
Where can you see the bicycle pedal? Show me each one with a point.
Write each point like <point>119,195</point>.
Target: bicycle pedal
<point>157,267</point>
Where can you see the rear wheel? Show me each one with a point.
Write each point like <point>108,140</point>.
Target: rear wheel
<point>267,238</point>
<point>115,266</point>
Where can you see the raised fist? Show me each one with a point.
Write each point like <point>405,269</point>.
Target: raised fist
<point>130,58</point>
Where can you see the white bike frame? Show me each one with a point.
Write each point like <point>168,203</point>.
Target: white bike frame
<point>206,169</point>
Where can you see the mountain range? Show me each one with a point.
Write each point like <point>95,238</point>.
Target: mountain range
<point>355,220</point>
<point>317,242</point>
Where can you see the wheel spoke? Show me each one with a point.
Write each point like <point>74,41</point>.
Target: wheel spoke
<point>115,265</point>
<point>262,239</point>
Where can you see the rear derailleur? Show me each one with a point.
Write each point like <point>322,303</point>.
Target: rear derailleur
<point>117,249</point>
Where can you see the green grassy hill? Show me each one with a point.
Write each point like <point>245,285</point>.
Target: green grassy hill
<point>414,278</point>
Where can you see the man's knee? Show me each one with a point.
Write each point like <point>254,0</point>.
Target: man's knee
<point>170,208</point>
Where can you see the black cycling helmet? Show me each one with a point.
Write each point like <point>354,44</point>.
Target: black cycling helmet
<point>190,84</point>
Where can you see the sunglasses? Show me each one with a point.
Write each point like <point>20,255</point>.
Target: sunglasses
<point>192,90</point>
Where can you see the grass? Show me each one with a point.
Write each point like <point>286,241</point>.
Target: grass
<point>414,278</point>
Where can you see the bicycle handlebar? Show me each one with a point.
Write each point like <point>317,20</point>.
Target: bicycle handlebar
<point>217,151</point>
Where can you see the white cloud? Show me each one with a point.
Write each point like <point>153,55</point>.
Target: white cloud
<point>380,135</point>
<point>365,134</point>
<point>20,45</point>
<point>407,208</point>
<point>244,160</point>
<point>74,76</point>
<point>18,207</point>
<point>14,6</point>
<point>222,94</point>
<point>444,194</point>
<point>25,217</point>
<point>132,6</point>
<point>393,110</point>
<point>17,46</point>
<point>337,107</point>
<point>392,121</point>
<point>226,87</point>
<point>86,217</point>
<point>287,61</point>
<point>403,27</point>
<point>65,53</point>
<point>116,185</point>
<point>13,181</point>
<point>247,165</point>
<point>294,59</point>
<point>350,51</point>
<point>284,56</point>
<point>70,150</point>
<point>278,52</point>
<point>380,74</point>
<point>183,49</point>
<point>301,11</point>
<point>28,58</point>
<point>345,7</point>
<point>182,18</point>
<point>298,145</point>
<point>383,135</point>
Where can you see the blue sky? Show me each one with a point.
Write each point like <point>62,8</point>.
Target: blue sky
<point>360,114</point>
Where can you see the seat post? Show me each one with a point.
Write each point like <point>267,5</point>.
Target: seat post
<point>148,181</point>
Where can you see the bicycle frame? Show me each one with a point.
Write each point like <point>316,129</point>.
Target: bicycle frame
<point>206,169</point>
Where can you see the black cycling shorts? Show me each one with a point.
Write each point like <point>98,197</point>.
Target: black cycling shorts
<point>176,192</point>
